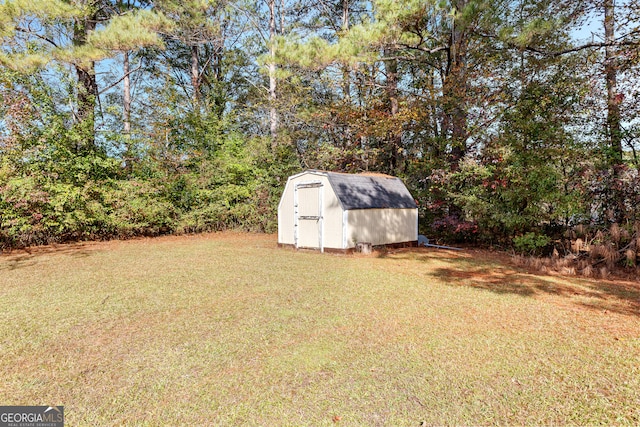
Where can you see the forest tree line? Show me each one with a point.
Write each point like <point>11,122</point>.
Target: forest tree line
<point>512,122</point>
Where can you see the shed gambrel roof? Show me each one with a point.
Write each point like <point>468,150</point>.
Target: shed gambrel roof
<point>368,191</point>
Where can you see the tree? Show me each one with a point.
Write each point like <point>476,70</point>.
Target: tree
<point>614,131</point>
<point>75,34</point>
<point>197,39</point>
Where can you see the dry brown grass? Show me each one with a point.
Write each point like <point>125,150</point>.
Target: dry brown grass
<point>587,270</point>
<point>227,329</point>
<point>615,232</point>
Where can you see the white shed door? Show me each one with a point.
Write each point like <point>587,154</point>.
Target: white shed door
<point>308,215</point>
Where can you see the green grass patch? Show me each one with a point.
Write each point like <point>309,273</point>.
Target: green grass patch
<point>227,329</point>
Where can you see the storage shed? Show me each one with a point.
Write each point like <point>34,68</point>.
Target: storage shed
<point>335,211</point>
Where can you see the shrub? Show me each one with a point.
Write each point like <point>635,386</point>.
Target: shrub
<point>531,243</point>
<point>36,212</point>
<point>138,208</point>
<point>453,229</point>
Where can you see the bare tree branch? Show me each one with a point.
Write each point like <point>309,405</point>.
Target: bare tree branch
<point>584,47</point>
<point>119,80</point>
<point>22,30</point>
<point>423,49</point>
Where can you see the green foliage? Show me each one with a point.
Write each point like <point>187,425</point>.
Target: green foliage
<point>531,243</point>
<point>484,108</point>
<point>39,212</point>
<point>54,37</point>
<point>233,189</point>
<point>139,28</point>
<point>137,208</point>
<point>238,188</point>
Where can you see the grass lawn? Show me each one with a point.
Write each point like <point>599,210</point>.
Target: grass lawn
<point>227,329</point>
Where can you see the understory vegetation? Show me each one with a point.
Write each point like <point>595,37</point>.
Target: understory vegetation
<point>513,123</point>
<point>91,197</point>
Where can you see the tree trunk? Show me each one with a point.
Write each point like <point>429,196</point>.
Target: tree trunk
<point>455,90</point>
<point>126,103</point>
<point>395,135</point>
<point>614,131</point>
<point>195,74</point>
<point>281,16</point>
<point>455,96</point>
<point>346,75</point>
<point>126,106</point>
<point>87,87</point>
<point>216,70</point>
<point>273,113</point>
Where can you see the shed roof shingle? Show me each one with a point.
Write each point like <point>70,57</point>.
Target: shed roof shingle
<point>370,191</point>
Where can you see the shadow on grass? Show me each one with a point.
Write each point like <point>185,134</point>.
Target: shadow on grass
<point>21,258</point>
<point>490,272</point>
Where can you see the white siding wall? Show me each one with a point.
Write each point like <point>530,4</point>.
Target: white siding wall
<point>285,216</point>
<point>332,219</point>
<point>382,226</point>
<point>332,213</point>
